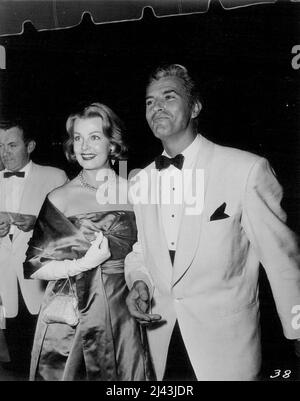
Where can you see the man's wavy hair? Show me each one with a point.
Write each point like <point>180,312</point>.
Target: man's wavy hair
<point>17,122</point>
<point>112,128</point>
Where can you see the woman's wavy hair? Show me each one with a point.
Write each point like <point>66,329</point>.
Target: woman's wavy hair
<point>113,129</point>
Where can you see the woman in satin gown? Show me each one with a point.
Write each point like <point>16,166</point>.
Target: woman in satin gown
<point>67,244</point>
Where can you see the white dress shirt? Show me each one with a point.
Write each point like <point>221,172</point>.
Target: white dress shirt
<point>174,186</point>
<point>13,191</point>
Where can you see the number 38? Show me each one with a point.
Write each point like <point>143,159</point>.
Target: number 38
<point>285,374</point>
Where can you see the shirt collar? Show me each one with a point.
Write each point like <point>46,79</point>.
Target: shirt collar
<point>26,169</point>
<point>189,153</point>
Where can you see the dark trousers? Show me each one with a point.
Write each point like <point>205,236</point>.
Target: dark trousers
<point>19,335</point>
<point>178,366</point>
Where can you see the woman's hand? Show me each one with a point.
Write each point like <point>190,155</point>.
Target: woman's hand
<point>98,252</point>
<point>57,269</point>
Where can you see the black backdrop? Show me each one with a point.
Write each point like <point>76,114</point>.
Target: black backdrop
<point>242,59</point>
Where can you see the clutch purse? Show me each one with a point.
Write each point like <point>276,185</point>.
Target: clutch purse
<point>63,308</point>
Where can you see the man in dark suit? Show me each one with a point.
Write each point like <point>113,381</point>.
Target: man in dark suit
<point>197,258</point>
<point>23,188</point>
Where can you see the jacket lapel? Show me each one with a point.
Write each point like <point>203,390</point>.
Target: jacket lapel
<point>28,204</point>
<point>156,239</point>
<point>5,241</point>
<point>190,228</point>
<point>30,195</point>
<point>2,199</point>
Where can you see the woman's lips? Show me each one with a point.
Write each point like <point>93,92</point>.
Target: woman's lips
<point>87,157</point>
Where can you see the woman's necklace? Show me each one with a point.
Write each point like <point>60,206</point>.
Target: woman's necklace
<point>85,184</point>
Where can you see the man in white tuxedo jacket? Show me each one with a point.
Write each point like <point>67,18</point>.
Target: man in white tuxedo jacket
<point>197,260</point>
<point>23,188</point>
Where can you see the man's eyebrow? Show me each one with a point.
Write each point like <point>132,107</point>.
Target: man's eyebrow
<point>12,143</point>
<point>165,92</point>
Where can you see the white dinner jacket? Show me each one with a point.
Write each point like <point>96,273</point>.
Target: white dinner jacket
<point>40,181</point>
<point>212,289</point>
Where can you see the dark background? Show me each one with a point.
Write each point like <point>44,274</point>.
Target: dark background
<point>242,60</point>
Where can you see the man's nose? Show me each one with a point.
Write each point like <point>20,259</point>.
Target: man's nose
<point>159,104</point>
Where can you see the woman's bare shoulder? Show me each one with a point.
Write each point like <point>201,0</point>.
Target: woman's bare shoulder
<point>60,197</point>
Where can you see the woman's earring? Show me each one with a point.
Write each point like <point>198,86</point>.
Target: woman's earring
<point>112,160</point>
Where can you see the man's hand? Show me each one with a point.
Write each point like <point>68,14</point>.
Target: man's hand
<point>138,303</point>
<point>4,228</point>
<point>25,223</point>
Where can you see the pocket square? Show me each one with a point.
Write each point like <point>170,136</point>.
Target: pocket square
<point>219,214</point>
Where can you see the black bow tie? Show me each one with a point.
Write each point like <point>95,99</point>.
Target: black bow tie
<point>162,161</point>
<point>8,174</point>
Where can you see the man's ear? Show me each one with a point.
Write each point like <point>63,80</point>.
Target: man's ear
<point>31,146</point>
<point>197,107</point>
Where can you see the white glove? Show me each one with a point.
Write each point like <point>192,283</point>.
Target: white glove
<point>57,269</point>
